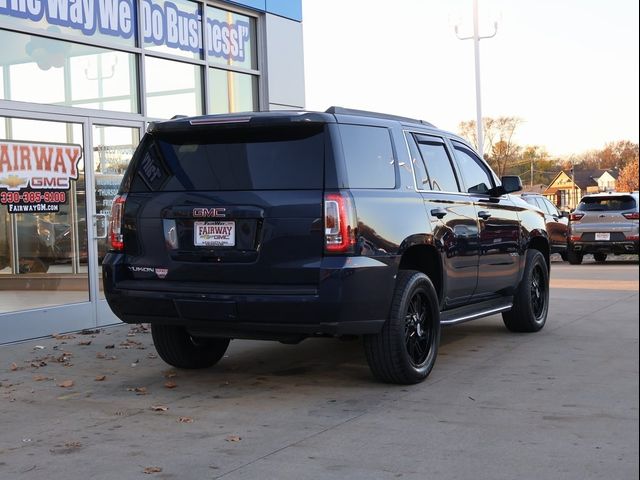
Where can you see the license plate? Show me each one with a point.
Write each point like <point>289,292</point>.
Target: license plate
<point>602,236</point>
<point>214,234</point>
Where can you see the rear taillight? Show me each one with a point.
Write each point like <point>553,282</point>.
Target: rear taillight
<point>339,223</point>
<point>632,216</point>
<point>116,238</point>
<point>575,217</point>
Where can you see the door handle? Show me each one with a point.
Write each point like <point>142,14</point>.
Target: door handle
<point>438,212</point>
<point>100,225</point>
<point>483,214</point>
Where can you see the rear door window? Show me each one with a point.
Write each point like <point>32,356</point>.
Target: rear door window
<point>283,158</point>
<point>603,204</point>
<point>368,156</point>
<point>438,163</point>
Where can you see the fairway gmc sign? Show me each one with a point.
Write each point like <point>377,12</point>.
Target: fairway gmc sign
<point>35,177</point>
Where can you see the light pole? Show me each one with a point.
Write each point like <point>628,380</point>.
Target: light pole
<point>476,51</point>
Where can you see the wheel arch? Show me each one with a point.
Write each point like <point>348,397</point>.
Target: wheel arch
<point>421,254</point>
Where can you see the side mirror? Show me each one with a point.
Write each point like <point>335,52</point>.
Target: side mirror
<point>510,184</point>
<point>564,214</point>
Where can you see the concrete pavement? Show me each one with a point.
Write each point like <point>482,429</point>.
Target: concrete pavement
<point>559,404</point>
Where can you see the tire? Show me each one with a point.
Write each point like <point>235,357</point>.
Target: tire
<point>179,349</point>
<point>600,257</point>
<point>574,257</point>
<point>531,300</point>
<point>405,351</point>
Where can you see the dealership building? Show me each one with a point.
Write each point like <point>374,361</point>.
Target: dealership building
<point>79,82</point>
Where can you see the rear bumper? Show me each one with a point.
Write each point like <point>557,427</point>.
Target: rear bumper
<point>617,248</point>
<point>353,296</point>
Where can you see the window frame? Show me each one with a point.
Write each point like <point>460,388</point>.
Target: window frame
<point>430,137</point>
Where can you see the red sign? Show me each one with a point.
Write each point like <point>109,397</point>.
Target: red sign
<point>34,176</point>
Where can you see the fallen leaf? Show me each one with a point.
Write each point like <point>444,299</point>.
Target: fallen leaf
<point>85,343</point>
<point>152,355</point>
<point>40,378</point>
<point>14,367</point>
<point>100,355</point>
<point>58,336</point>
<point>170,373</point>
<point>170,384</point>
<point>111,345</point>
<point>66,384</point>
<point>100,378</point>
<point>233,438</point>
<point>152,470</point>
<point>38,363</point>
<point>138,390</point>
<point>185,420</point>
<point>39,347</point>
<point>159,408</point>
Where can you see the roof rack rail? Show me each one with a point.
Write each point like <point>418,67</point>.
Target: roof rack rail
<point>365,113</point>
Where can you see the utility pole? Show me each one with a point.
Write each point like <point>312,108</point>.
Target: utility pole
<point>476,51</point>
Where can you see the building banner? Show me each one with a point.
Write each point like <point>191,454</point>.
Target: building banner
<point>36,177</point>
<point>163,23</point>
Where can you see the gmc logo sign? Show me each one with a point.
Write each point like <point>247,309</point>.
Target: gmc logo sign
<point>209,212</point>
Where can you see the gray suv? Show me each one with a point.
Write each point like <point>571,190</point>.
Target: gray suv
<point>602,224</point>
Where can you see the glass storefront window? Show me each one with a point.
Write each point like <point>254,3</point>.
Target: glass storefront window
<point>74,74</point>
<point>173,88</point>
<point>108,22</point>
<point>43,227</point>
<point>230,38</point>
<point>232,92</point>
<point>172,27</point>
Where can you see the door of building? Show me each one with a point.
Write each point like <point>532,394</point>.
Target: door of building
<point>57,176</point>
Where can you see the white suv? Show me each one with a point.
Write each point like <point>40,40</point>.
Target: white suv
<point>602,224</point>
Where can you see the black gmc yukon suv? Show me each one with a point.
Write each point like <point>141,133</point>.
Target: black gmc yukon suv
<point>287,225</point>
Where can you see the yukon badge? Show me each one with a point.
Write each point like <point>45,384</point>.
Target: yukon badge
<point>203,212</point>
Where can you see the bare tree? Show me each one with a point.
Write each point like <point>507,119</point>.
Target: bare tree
<point>500,148</point>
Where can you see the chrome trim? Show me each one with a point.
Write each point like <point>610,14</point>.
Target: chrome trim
<point>475,316</point>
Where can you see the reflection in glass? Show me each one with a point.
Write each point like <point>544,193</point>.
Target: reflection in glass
<point>43,255</point>
<point>180,33</point>
<point>230,38</point>
<point>232,92</point>
<point>173,88</point>
<point>73,74</point>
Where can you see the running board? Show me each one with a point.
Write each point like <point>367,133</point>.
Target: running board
<point>475,311</point>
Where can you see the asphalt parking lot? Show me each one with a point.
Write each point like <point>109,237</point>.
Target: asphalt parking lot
<point>559,404</point>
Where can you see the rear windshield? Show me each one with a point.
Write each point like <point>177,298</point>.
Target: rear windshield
<point>283,158</point>
<point>601,204</point>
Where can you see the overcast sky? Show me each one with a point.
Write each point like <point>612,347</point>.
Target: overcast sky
<point>568,68</point>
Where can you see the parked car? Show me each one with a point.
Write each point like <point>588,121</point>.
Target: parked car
<point>603,224</point>
<point>557,222</point>
<point>287,225</point>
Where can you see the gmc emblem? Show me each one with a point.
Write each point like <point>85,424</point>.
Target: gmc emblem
<point>209,212</point>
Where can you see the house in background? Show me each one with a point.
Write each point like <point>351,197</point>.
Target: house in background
<point>567,189</point>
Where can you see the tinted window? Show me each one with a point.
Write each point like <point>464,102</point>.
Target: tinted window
<point>419,170</point>
<point>551,208</point>
<point>439,167</point>
<point>598,204</point>
<point>233,159</point>
<point>368,157</point>
<point>475,175</point>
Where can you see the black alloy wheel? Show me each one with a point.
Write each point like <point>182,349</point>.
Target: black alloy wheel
<point>539,293</point>
<point>406,348</point>
<point>531,299</point>
<point>417,331</point>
